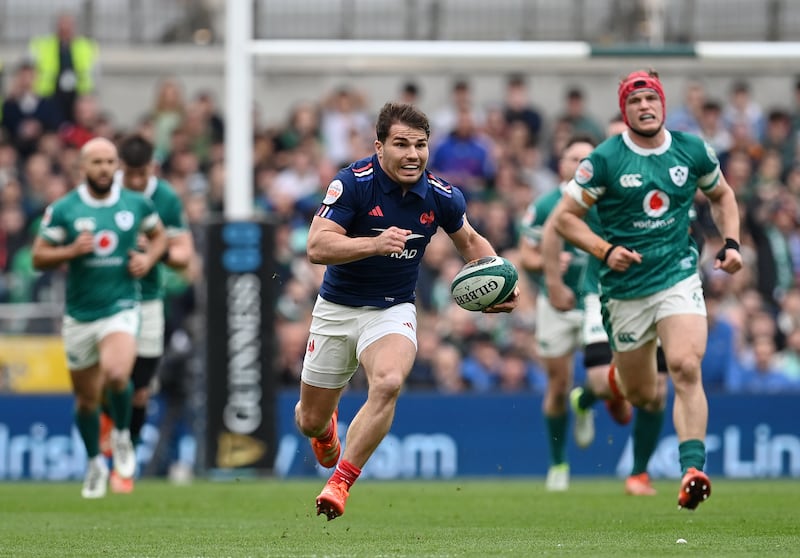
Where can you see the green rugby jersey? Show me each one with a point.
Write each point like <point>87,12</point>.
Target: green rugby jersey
<point>99,284</point>
<point>643,198</point>
<point>170,209</point>
<point>582,273</point>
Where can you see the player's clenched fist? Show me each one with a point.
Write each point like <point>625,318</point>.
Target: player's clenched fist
<point>83,244</point>
<point>391,241</point>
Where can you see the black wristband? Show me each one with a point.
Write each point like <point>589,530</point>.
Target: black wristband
<point>608,252</point>
<point>729,244</point>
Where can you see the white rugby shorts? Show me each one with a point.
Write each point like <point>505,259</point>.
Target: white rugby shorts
<point>339,334</point>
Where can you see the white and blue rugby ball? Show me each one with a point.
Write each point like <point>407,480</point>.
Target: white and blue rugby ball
<point>484,282</point>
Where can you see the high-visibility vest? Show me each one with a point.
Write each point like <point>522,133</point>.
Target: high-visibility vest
<point>45,53</point>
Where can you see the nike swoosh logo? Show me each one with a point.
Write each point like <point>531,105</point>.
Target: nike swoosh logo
<point>412,236</point>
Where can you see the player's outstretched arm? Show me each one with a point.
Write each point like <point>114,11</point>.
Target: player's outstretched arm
<point>568,218</point>
<point>561,297</point>
<point>328,243</point>
<point>725,212</point>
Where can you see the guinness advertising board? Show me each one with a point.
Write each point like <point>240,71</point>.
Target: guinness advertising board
<point>241,428</point>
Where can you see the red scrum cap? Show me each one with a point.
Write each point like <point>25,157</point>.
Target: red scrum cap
<point>636,81</point>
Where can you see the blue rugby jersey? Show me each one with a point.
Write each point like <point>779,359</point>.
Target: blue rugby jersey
<point>365,202</point>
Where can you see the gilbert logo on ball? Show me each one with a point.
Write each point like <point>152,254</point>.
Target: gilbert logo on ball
<point>484,282</point>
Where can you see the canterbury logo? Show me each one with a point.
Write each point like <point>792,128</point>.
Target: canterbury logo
<point>310,348</point>
<point>630,180</point>
<point>376,211</point>
<point>626,337</point>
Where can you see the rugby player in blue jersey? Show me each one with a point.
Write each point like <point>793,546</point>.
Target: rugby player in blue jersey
<point>371,230</point>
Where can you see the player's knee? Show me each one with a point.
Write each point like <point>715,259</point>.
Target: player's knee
<point>386,384</point>
<point>310,423</point>
<point>644,396</point>
<point>684,369</point>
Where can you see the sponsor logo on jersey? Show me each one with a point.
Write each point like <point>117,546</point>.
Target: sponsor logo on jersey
<point>656,203</point>
<point>630,180</point>
<point>376,211</point>
<point>679,174</point>
<point>334,192</point>
<point>584,172</point>
<point>85,224</point>
<point>105,242</point>
<point>124,220</point>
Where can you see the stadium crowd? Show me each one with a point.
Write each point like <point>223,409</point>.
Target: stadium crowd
<point>503,156</point>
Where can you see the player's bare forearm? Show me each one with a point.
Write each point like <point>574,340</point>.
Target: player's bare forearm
<point>530,255</point>
<point>48,256</point>
<point>180,251</point>
<point>724,210</point>
<point>142,262</point>
<point>470,244</point>
<point>568,222</point>
<point>551,247</point>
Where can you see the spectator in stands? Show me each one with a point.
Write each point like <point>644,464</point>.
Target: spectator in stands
<point>688,116</point>
<point>25,114</point>
<point>167,115</point>
<point>761,372</point>
<point>446,368</point>
<point>66,64</point>
<point>743,109</point>
<point>443,121</point>
<point>464,158</point>
<point>575,113</point>
<point>344,123</point>
<point>518,107</point>
<point>771,218</point>
<point>719,362</point>
<point>86,120</point>
<point>778,137</point>
<point>712,128</point>
<point>483,365</point>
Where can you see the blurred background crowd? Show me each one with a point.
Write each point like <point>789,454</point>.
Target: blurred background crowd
<point>503,154</point>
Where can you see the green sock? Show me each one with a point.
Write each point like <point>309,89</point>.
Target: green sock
<point>587,398</point>
<point>121,402</point>
<point>105,403</point>
<point>89,426</point>
<point>646,428</point>
<point>692,454</point>
<point>557,435</point>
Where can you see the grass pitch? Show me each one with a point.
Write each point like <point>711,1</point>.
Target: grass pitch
<point>454,518</point>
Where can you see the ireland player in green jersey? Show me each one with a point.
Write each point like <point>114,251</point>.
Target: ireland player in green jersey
<point>642,183</point>
<point>94,230</point>
<point>137,173</point>
<point>563,331</point>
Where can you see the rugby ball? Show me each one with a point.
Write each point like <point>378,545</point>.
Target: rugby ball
<point>484,282</point>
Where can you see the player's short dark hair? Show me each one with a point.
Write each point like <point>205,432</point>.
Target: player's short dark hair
<point>136,151</point>
<point>581,138</point>
<point>392,113</point>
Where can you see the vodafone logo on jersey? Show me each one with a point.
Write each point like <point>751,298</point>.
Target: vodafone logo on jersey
<point>656,203</point>
<point>105,242</point>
